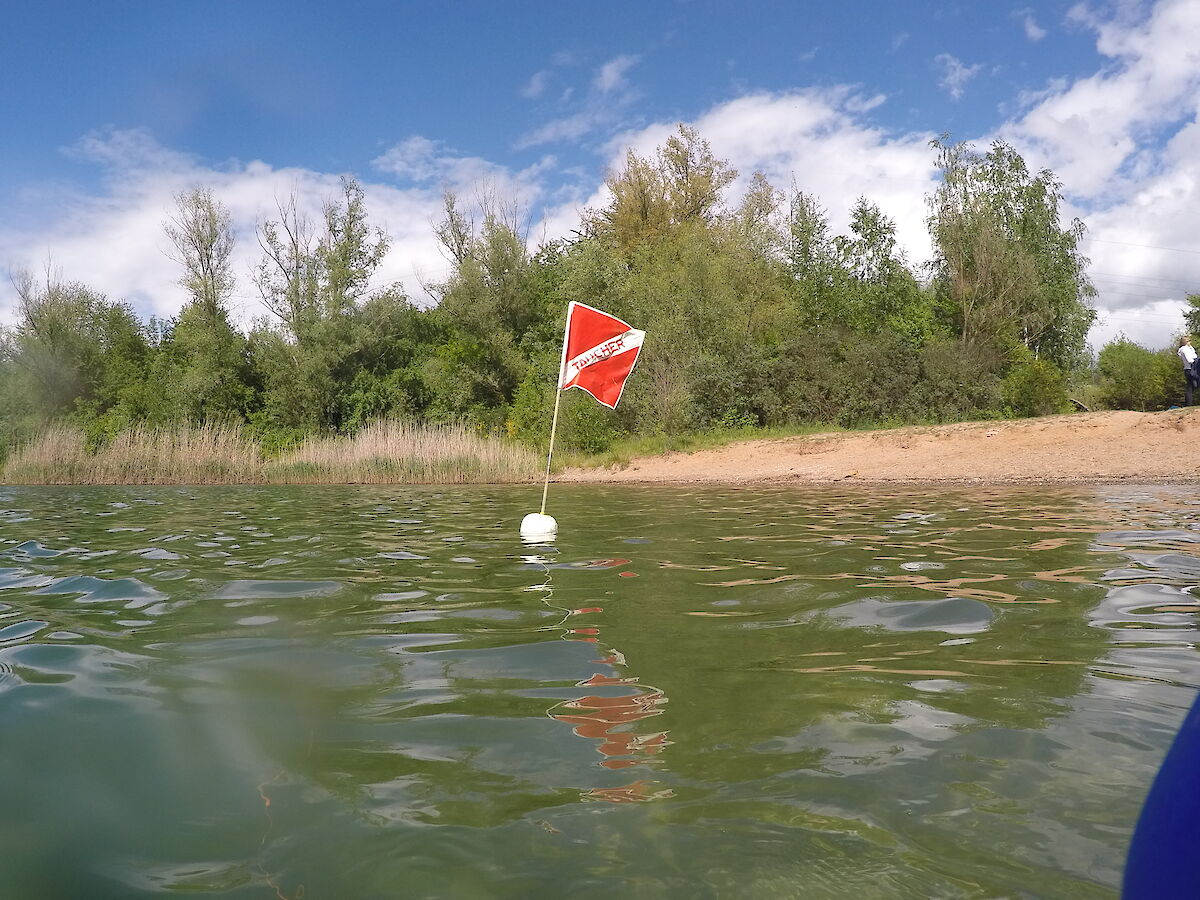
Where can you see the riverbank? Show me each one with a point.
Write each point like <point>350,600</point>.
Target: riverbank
<point>1076,448</point>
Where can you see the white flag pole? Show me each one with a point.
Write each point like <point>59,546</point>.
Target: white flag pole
<point>539,527</point>
<point>550,455</point>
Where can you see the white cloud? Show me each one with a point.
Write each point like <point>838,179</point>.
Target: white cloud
<point>567,128</point>
<point>536,86</point>
<point>1033,31</point>
<point>611,75</point>
<point>1125,142</point>
<point>114,242</point>
<point>955,74</point>
<point>421,160</point>
<point>817,139</point>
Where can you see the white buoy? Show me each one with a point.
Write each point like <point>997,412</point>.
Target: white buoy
<point>538,528</point>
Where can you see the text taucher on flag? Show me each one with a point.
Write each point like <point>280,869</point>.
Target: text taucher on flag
<point>599,352</point>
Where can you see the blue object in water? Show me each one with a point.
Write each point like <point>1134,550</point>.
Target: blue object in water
<point>1164,857</point>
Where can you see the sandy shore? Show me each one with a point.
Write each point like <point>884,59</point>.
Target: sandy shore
<point>1078,447</point>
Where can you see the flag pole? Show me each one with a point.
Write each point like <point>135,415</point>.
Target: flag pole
<point>604,350</point>
<point>550,455</point>
<point>538,526</point>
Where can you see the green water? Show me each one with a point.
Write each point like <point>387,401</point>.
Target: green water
<point>354,692</point>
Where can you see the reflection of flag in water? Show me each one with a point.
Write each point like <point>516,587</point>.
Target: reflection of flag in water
<point>598,354</point>
<point>603,718</point>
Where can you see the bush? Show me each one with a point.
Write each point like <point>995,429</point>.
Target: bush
<point>1034,387</point>
<point>1131,377</point>
<point>586,425</point>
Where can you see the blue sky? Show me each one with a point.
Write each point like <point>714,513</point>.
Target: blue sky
<point>112,108</point>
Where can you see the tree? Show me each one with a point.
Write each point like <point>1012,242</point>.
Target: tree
<point>683,184</point>
<point>74,348</point>
<point>207,354</point>
<point>487,307</point>
<point>288,273</point>
<point>201,234</point>
<point>1130,376</point>
<point>349,251</point>
<point>1191,316</point>
<point>694,177</point>
<point>883,294</point>
<point>1006,270</point>
<point>315,285</point>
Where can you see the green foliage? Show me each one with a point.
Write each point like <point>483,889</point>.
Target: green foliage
<point>530,418</point>
<point>585,424</point>
<point>1191,316</point>
<point>1132,377</point>
<point>1006,271</point>
<point>1034,387</point>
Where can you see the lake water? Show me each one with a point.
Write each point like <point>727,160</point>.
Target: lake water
<point>354,692</point>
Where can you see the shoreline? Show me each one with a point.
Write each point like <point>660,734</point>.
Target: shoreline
<point>1080,448</point>
<point>1077,448</point>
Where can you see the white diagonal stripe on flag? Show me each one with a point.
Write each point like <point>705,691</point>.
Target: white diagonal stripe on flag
<point>621,343</point>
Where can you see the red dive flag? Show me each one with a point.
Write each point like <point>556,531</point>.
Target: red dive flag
<point>599,351</point>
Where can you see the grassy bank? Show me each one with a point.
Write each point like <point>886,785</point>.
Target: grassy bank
<point>622,452</point>
<point>383,453</point>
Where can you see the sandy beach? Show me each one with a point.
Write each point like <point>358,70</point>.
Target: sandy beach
<point>1082,447</point>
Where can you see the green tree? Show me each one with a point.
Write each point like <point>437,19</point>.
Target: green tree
<point>1191,316</point>
<point>882,293</point>
<point>683,184</point>
<point>1005,269</point>
<point>287,274</point>
<point>202,240</point>
<point>349,251</point>
<point>315,285</point>
<point>72,349</point>
<point>1131,377</point>
<point>489,308</point>
<point>207,354</point>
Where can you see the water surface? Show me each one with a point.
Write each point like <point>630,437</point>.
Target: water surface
<point>380,692</point>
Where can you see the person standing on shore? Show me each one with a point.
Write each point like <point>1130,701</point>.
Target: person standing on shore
<point>1187,355</point>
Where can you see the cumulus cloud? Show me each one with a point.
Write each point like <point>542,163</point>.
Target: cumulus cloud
<point>1125,142</point>
<point>955,74</point>
<point>816,139</point>
<point>114,241</point>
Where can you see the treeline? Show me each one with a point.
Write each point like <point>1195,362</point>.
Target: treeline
<point>756,314</point>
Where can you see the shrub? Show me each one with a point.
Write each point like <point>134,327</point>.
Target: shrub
<point>1130,377</point>
<point>1034,387</point>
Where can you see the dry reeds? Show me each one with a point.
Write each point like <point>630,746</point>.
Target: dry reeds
<point>382,453</point>
<point>400,453</point>
<point>206,454</point>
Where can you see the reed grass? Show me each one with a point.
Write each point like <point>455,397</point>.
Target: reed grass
<point>400,453</point>
<point>382,453</point>
<point>206,454</point>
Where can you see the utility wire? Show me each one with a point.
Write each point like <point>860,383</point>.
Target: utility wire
<point>1145,277</point>
<point>1143,246</point>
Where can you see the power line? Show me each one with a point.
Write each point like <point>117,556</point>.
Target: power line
<point>1143,246</point>
<point>1191,282</point>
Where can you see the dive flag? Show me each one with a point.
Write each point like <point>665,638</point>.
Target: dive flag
<point>598,354</point>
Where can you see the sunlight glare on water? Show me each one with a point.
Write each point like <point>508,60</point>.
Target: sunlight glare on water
<point>381,691</point>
